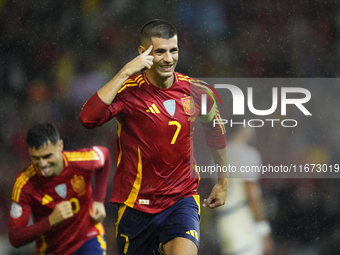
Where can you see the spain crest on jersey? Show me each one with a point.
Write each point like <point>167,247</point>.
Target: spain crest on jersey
<point>188,105</point>
<point>78,184</point>
<point>61,190</point>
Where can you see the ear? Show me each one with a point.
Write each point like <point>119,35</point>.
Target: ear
<point>141,49</point>
<point>61,145</point>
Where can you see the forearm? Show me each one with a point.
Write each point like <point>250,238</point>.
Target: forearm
<point>109,91</point>
<point>220,158</point>
<point>254,195</point>
<point>257,210</point>
<point>19,235</point>
<point>219,192</point>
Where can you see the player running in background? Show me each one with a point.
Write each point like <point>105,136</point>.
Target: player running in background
<point>56,190</point>
<point>155,182</point>
<point>242,225</point>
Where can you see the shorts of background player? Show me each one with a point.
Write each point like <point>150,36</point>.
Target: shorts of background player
<point>144,233</point>
<point>93,246</point>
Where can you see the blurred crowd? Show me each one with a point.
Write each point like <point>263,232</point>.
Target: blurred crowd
<point>55,54</point>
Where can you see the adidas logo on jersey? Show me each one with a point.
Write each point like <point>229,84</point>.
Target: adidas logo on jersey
<point>153,109</point>
<point>46,199</point>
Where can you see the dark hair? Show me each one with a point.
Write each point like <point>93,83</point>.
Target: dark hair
<point>40,133</point>
<point>157,28</point>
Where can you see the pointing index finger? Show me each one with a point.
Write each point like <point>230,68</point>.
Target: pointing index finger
<point>148,50</point>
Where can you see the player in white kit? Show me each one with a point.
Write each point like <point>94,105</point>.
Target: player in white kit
<point>241,223</point>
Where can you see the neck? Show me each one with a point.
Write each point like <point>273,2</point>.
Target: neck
<point>160,82</point>
<point>60,165</point>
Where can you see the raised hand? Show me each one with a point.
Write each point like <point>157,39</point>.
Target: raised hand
<point>61,212</point>
<point>141,62</point>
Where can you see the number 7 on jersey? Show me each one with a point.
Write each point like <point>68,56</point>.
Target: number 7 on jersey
<point>178,125</point>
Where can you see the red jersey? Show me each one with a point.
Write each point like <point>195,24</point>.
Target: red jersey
<point>155,164</point>
<point>38,195</point>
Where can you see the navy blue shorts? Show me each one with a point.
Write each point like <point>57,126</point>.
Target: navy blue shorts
<point>93,246</point>
<point>145,233</point>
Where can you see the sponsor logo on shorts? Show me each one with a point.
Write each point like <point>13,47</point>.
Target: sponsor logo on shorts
<point>192,233</point>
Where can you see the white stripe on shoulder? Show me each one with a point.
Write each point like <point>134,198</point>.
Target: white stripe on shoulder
<point>100,153</point>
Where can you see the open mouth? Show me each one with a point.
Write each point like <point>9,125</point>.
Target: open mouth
<point>45,170</point>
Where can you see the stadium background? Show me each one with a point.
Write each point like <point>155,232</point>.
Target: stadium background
<point>54,55</point>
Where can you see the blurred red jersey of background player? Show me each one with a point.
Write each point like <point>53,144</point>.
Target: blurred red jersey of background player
<point>56,190</point>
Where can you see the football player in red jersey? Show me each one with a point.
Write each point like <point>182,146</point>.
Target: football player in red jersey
<point>56,190</point>
<point>155,183</point>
